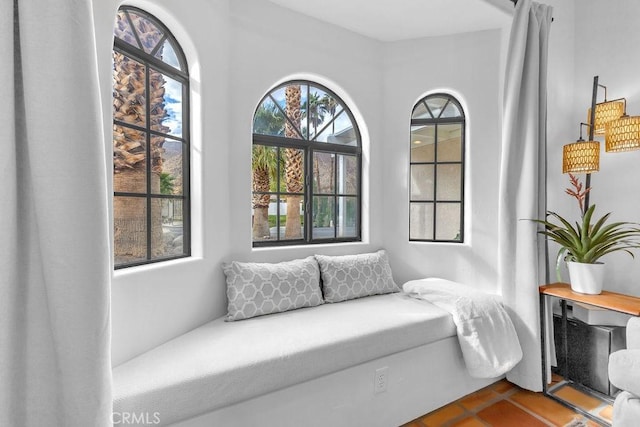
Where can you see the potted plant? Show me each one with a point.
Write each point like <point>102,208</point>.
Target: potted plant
<point>583,244</point>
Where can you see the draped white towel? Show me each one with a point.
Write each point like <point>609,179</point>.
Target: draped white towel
<point>488,339</point>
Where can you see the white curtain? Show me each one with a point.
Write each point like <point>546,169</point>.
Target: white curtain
<point>54,242</point>
<point>521,251</point>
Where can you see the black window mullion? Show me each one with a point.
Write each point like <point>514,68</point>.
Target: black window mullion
<point>462,174</point>
<point>278,141</point>
<point>435,180</point>
<point>335,216</point>
<point>428,109</point>
<point>334,148</point>
<point>128,194</point>
<point>186,167</point>
<point>154,51</point>
<point>133,30</point>
<point>308,112</point>
<point>331,122</point>
<point>155,196</point>
<point>335,195</point>
<point>308,195</point>
<point>278,193</point>
<point>442,120</point>
<point>444,107</point>
<point>359,205</point>
<point>288,119</point>
<point>151,131</point>
<point>148,159</point>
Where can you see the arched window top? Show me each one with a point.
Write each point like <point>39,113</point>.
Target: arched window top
<point>437,106</point>
<point>143,31</point>
<point>306,111</point>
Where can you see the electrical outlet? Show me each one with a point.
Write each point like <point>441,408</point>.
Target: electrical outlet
<point>380,380</point>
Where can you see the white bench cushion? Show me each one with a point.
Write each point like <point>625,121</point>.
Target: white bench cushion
<point>221,363</point>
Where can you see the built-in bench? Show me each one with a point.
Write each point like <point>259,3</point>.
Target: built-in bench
<point>289,353</point>
<point>223,363</point>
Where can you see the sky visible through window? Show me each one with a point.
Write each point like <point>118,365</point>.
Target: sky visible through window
<point>173,105</point>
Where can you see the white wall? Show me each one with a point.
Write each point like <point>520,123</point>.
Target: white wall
<point>155,303</point>
<point>589,38</point>
<point>269,45</point>
<point>468,67</point>
<point>607,37</point>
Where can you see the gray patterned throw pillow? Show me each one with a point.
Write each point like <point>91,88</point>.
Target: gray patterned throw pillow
<point>354,276</point>
<point>254,289</point>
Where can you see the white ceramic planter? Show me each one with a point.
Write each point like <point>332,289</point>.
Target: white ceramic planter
<point>586,278</point>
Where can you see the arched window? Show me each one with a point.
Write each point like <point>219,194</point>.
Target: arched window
<point>150,142</point>
<point>306,167</point>
<point>436,199</point>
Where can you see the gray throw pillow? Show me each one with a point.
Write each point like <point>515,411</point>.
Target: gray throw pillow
<point>354,276</point>
<point>255,289</point>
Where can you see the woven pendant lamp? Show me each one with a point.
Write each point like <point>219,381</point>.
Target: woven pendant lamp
<point>605,112</point>
<point>623,134</point>
<point>581,157</point>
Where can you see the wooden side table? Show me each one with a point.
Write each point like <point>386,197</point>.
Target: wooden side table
<point>606,300</point>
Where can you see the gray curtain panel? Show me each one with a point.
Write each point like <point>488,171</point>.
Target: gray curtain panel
<point>522,192</point>
<point>54,251</point>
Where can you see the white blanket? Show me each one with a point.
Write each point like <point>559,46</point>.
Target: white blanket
<point>488,339</point>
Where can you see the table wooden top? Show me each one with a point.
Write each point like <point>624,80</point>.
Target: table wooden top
<point>608,300</point>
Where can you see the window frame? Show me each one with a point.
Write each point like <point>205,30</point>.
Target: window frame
<point>309,147</point>
<point>436,122</point>
<point>182,76</point>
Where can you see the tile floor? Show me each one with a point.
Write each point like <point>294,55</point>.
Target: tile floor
<point>503,404</point>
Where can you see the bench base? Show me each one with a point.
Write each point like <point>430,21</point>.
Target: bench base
<point>419,380</point>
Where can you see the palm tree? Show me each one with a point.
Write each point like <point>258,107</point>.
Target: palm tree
<point>268,119</point>
<point>315,110</point>
<point>329,104</point>
<point>264,165</point>
<point>167,183</point>
<point>129,145</point>
<point>294,161</point>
